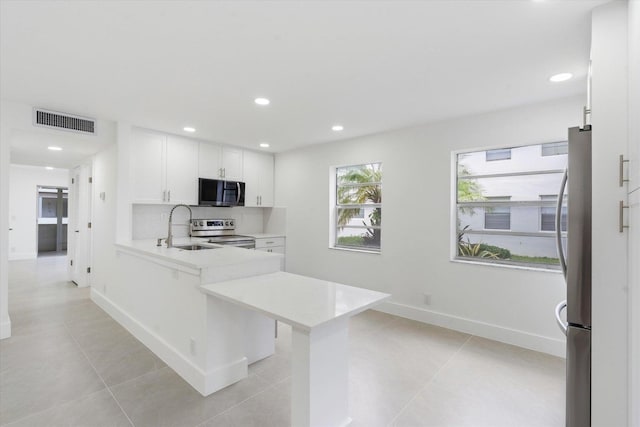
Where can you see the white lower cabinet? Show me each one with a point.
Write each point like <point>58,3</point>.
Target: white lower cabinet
<point>275,245</point>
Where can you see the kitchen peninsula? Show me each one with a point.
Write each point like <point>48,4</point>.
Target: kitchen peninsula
<point>157,297</point>
<point>208,311</point>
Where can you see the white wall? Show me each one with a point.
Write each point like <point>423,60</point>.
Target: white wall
<point>609,247</point>
<point>5,321</point>
<point>23,201</point>
<point>506,304</point>
<point>103,263</point>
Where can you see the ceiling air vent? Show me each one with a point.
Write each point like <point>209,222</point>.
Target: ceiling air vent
<point>52,119</point>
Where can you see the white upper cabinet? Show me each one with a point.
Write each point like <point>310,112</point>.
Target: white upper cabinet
<point>220,162</point>
<point>209,160</point>
<point>162,168</point>
<point>258,176</point>
<point>147,166</point>
<point>181,174</point>
<point>232,163</point>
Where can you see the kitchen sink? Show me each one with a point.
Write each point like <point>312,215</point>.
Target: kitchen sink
<point>194,247</point>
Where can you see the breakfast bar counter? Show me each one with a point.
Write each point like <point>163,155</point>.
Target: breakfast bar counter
<point>318,312</point>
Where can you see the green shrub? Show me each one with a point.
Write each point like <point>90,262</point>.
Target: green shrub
<point>351,240</point>
<point>501,253</point>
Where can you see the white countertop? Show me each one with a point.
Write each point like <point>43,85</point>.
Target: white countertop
<point>263,235</point>
<point>221,256</point>
<point>300,301</point>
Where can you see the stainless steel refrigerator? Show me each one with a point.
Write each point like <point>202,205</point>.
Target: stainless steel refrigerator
<point>576,265</point>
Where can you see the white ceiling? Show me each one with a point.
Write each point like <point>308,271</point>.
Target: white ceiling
<point>369,65</point>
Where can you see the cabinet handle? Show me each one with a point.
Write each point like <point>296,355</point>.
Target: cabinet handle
<point>224,172</point>
<point>622,162</point>
<point>269,243</point>
<point>621,217</point>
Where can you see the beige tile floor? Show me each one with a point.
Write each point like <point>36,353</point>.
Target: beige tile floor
<point>68,363</point>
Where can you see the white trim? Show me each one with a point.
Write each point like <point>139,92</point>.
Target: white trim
<point>366,251</point>
<point>505,265</point>
<point>204,382</point>
<point>5,329</point>
<point>515,337</point>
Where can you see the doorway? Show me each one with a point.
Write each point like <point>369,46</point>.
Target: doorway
<point>52,220</point>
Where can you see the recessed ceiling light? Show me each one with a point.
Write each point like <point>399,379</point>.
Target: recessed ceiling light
<point>49,168</point>
<point>261,101</point>
<point>560,77</point>
<point>264,145</point>
<point>54,148</point>
<point>337,128</point>
<point>189,129</point>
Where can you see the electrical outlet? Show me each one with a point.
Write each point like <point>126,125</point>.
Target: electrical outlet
<point>426,298</point>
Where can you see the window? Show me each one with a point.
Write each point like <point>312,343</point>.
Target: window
<point>498,217</point>
<point>358,207</point>
<point>504,154</point>
<point>548,214</point>
<point>555,148</point>
<point>505,211</point>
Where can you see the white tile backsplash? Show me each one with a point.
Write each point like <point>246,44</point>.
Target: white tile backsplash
<point>151,221</point>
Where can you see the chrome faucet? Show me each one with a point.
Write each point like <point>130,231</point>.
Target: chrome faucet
<point>169,238</point>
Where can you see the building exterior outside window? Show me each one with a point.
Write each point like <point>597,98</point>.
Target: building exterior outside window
<point>502,154</point>
<point>505,210</point>
<point>498,217</point>
<point>358,207</point>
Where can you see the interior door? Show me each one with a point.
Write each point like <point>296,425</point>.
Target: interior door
<point>81,253</point>
<point>73,229</point>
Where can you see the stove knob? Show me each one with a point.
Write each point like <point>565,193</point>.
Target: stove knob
<point>226,223</point>
<point>231,223</point>
<point>201,223</point>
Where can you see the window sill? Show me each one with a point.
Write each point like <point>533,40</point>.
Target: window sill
<point>355,250</point>
<point>509,266</point>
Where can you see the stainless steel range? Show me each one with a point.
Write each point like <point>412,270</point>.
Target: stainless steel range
<point>220,231</point>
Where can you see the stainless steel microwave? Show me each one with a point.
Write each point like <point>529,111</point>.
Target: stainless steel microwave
<point>217,192</point>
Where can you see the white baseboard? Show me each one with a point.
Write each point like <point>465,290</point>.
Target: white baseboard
<point>5,328</point>
<point>204,382</point>
<point>16,256</point>
<point>515,337</point>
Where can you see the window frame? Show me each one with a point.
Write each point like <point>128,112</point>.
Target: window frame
<point>454,205</point>
<point>335,207</point>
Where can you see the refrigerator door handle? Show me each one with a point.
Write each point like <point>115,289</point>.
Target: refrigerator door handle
<point>563,325</point>
<point>563,261</point>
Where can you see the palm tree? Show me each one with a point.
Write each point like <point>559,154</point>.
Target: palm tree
<point>353,189</point>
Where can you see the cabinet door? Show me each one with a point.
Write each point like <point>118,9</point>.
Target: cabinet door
<point>147,166</point>
<point>209,161</point>
<point>258,175</point>
<point>182,175</point>
<point>266,180</point>
<point>232,164</point>
<point>251,163</point>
